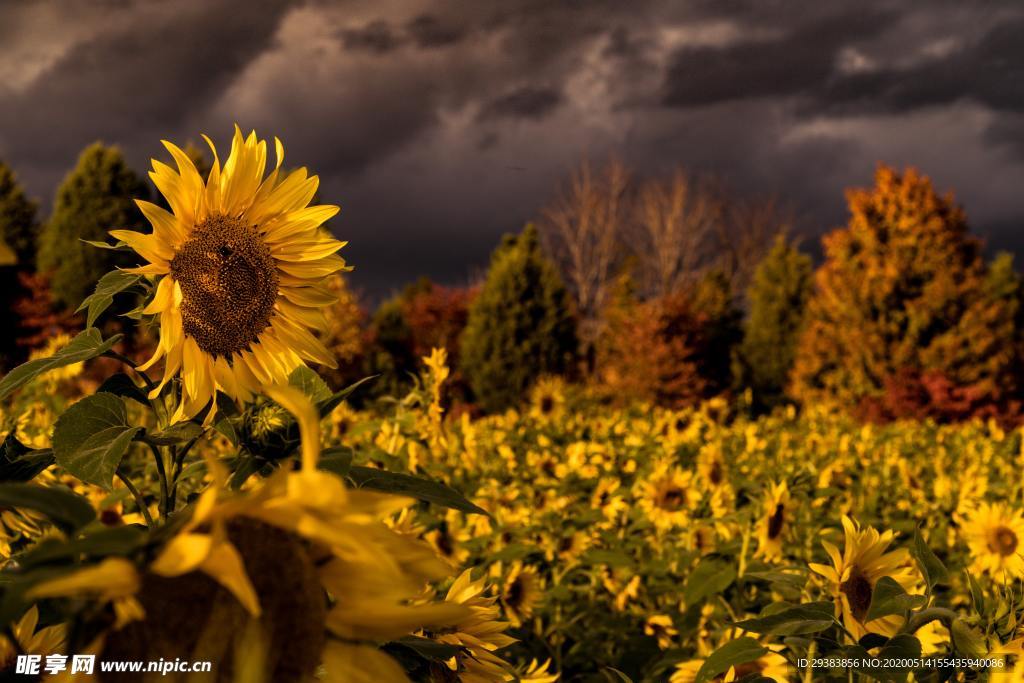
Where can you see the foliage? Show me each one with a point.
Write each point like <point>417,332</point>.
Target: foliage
<point>777,297</point>
<point>520,326</point>
<point>903,289</point>
<point>18,225</point>
<point>96,196</point>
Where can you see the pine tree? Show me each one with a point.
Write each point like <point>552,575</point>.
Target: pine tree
<point>718,330</point>
<point>903,290</point>
<point>778,297</point>
<point>97,196</point>
<point>520,326</point>
<point>18,226</point>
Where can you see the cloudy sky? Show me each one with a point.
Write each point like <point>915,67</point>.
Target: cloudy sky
<point>437,126</point>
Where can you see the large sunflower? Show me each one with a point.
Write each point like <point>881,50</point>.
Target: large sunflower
<point>854,573</point>
<point>240,263</point>
<point>993,533</point>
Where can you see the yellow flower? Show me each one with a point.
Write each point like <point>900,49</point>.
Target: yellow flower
<point>775,522</point>
<point>853,575</point>
<point>114,580</point>
<point>28,640</point>
<point>547,398</point>
<point>520,593</point>
<point>661,627</point>
<point>538,673</point>
<point>772,665</point>
<point>668,496</point>
<point>240,262</point>
<point>993,533</point>
<point>480,633</point>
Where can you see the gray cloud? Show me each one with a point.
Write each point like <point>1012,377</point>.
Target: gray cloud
<point>437,126</point>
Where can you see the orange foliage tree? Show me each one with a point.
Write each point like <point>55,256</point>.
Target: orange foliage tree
<point>904,292</point>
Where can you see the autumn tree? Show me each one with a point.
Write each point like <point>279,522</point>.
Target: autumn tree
<point>96,197</point>
<point>520,325</point>
<point>583,228</point>
<point>675,228</point>
<point>903,289</point>
<point>777,299</point>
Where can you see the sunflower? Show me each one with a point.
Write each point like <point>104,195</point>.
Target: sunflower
<point>775,522</point>
<point>28,640</point>
<point>993,533</point>
<point>853,575</point>
<point>772,666</point>
<point>547,398</point>
<point>661,627</point>
<point>520,593</point>
<point>239,264</point>
<point>668,496</point>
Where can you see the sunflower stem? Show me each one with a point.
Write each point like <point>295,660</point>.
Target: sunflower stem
<point>139,500</point>
<point>162,473</point>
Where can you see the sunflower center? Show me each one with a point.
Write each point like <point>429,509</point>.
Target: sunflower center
<point>858,591</point>
<point>716,473</point>
<point>547,404</point>
<point>228,285</point>
<point>776,521</point>
<point>673,498</point>
<point>1004,541</point>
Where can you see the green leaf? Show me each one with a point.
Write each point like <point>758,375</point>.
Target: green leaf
<point>977,595</point>
<point>733,653</point>
<point>612,558</point>
<point>932,568</point>
<point>18,462</point>
<point>180,432</point>
<point>810,617</point>
<point>92,437</point>
<point>87,344</point>
<point>966,640</point>
<point>66,509</point>
<point>121,384</point>
<point>889,597</point>
<point>615,676</point>
<point>712,575</point>
<point>310,383</point>
<point>429,649</point>
<point>114,282</point>
<point>783,578</point>
<point>122,540</point>
<point>328,405</point>
<point>415,487</point>
<point>337,460</point>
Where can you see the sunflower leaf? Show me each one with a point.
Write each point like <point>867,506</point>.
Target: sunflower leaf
<point>86,344</point>
<point>66,509</point>
<point>888,597</point>
<point>177,433</point>
<point>310,383</point>
<point>712,575</point>
<point>733,653</point>
<point>931,566</point>
<point>114,282</point>
<point>18,462</point>
<point>415,487</point>
<point>91,438</point>
<point>121,384</point>
<point>810,617</point>
<point>327,406</point>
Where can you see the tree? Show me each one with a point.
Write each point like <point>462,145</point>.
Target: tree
<point>675,222</point>
<point>717,332</point>
<point>583,227</point>
<point>520,325</point>
<point>777,298</point>
<point>97,196</point>
<point>18,234</point>
<point>18,226</point>
<point>903,289</point>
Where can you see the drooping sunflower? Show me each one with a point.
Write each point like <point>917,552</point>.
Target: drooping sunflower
<point>993,533</point>
<point>240,263</point>
<point>854,573</point>
<point>774,523</point>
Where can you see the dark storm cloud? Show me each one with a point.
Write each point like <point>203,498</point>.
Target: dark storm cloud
<point>439,125</point>
<point>528,102</point>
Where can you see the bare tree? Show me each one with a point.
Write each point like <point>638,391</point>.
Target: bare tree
<point>582,228</point>
<point>746,234</point>
<point>675,225</point>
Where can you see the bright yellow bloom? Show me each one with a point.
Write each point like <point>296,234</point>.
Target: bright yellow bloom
<point>774,523</point>
<point>240,262</point>
<point>520,593</point>
<point>993,533</point>
<point>45,641</point>
<point>114,580</point>
<point>854,573</point>
<point>668,496</point>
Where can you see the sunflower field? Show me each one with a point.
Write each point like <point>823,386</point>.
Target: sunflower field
<point>220,502</point>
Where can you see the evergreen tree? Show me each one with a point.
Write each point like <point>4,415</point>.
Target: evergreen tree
<point>777,296</point>
<point>903,290</point>
<point>520,326</point>
<point>97,196</point>
<point>718,330</point>
<point>18,226</point>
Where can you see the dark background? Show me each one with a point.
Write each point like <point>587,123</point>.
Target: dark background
<point>437,126</point>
